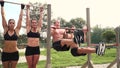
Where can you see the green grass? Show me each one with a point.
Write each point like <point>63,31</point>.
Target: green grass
<point>64,59</point>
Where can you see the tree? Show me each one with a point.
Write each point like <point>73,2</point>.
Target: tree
<point>78,22</point>
<point>68,25</point>
<point>109,36</point>
<point>96,34</point>
<point>118,29</point>
<point>1,40</point>
<point>63,22</point>
<point>22,39</point>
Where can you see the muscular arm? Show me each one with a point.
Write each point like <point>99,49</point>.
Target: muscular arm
<point>28,19</point>
<point>40,19</point>
<point>20,19</point>
<point>4,23</point>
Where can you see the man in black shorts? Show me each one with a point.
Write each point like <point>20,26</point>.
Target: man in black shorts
<point>60,43</point>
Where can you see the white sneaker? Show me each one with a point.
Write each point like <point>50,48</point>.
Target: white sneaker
<point>103,49</point>
<point>100,49</point>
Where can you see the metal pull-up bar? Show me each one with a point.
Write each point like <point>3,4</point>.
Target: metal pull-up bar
<point>13,2</point>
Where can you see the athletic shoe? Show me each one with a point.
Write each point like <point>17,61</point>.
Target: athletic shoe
<point>100,49</point>
<point>103,49</point>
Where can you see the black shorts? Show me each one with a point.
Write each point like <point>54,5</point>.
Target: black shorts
<point>32,51</point>
<point>58,47</point>
<point>14,56</point>
<point>75,53</point>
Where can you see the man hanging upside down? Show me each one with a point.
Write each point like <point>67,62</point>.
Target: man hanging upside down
<point>61,43</point>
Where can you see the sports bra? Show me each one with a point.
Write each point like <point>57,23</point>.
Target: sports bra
<point>14,37</point>
<point>33,34</point>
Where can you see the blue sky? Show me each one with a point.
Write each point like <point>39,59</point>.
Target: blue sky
<point>11,11</point>
<point>105,13</point>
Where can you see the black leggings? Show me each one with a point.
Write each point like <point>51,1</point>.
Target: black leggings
<point>14,56</point>
<point>32,50</point>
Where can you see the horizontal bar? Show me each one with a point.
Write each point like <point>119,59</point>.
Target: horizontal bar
<point>14,3</point>
<point>71,28</point>
<point>67,28</point>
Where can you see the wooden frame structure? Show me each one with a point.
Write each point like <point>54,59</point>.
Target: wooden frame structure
<point>48,62</point>
<point>117,60</point>
<point>88,62</point>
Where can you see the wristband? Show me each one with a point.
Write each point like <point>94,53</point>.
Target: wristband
<point>22,6</point>
<point>2,3</point>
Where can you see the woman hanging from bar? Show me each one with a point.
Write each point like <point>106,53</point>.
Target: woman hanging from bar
<point>33,28</point>
<point>10,54</point>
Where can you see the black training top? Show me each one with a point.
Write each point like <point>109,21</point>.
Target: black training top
<point>14,37</point>
<point>33,34</point>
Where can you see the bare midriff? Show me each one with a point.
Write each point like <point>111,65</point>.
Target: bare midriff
<point>10,46</point>
<point>33,42</point>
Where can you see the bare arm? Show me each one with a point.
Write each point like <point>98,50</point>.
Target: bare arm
<point>40,19</point>
<point>20,18</point>
<point>52,31</point>
<point>27,18</point>
<point>4,23</point>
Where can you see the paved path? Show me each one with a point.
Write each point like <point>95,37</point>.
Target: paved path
<point>95,66</point>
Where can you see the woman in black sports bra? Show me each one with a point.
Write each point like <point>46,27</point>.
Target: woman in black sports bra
<point>33,28</point>
<point>10,54</point>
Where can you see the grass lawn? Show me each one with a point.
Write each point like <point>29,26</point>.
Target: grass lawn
<point>64,59</point>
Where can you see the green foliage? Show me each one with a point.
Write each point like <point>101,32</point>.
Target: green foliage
<point>99,34</point>
<point>117,30</point>
<point>78,22</point>
<point>96,34</point>
<point>109,36</point>
<point>1,41</point>
<point>34,11</point>
<point>63,22</point>
<point>68,25</point>
<point>22,39</point>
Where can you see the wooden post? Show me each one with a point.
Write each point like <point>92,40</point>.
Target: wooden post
<point>89,62</point>
<point>0,58</point>
<point>117,60</point>
<point>118,47</point>
<point>48,62</point>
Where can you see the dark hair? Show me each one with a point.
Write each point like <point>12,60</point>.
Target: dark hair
<point>10,20</point>
<point>33,19</point>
